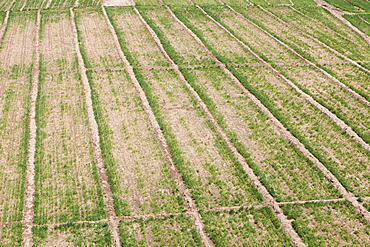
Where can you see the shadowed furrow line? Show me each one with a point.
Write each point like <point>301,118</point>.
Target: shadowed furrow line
<point>28,211</point>
<point>190,204</point>
<point>346,194</point>
<point>106,190</point>
<point>269,200</point>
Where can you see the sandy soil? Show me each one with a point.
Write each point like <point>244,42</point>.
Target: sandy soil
<point>139,166</point>
<point>66,150</point>
<point>57,44</point>
<point>97,40</point>
<point>14,96</point>
<point>185,45</point>
<point>118,2</point>
<point>18,43</point>
<point>258,40</point>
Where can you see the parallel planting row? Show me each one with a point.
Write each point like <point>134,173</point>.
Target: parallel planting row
<point>243,63</point>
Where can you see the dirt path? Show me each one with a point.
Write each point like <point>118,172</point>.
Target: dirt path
<point>48,4</point>
<point>3,27</point>
<point>308,61</point>
<point>323,109</point>
<point>28,211</point>
<point>339,14</point>
<point>346,194</point>
<point>189,202</point>
<point>269,200</point>
<point>107,193</point>
<point>118,2</point>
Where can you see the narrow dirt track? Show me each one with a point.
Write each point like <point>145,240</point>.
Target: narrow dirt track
<point>346,194</point>
<point>28,211</point>
<point>269,200</point>
<point>307,97</point>
<point>189,202</point>
<point>102,172</point>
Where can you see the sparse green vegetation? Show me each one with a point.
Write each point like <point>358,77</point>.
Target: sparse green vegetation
<point>257,227</point>
<point>169,231</point>
<point>103,160</point>
<point>321,223</point>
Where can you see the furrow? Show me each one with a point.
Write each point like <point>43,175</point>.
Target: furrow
<point>28,211</point>
<point>270,201</point>
<point>190,204</point>
<point>346,194</point>
<point>107,193</point>
<point>306,96</point>
<point>355,94</point>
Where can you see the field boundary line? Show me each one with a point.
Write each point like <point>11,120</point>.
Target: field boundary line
<point>4,26</point>
<point>339,122</point>
<point>343,125</point>
<point>338,15</point>
<point>175,173</point>
<point>48,4</point>
<point>102,172</point>
<point>24,5</point>
<point>343,191</point>
<point>314,201</point>
<point>322,71</point>
<point>29,194</point>
<point>317,40</point>
<point>268,199</point>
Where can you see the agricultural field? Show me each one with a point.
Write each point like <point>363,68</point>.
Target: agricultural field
<point>184,123</point>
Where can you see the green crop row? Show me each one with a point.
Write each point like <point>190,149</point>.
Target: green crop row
<point>257,227</point>
<point>74,234</point>
<point>339,100</point>
<point>314,221</point>
<point>359,22</point>
<point>170,231</point>
<point>268,94</point>
<point>175,149</point>
<point>11,236</point>
<point>202,92</point>
<point>18,91</point>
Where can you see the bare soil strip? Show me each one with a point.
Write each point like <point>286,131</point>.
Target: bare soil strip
<point>308,61</point>
<point>3,27</point>
<point>24,5</point>
<point>107,193</point>
<point>28,211</point>
<point>339,14</point>
<point>190,204</point>
<point>323,109</point>
<point>347,195</point>
<point>48,4</point>
<point>270,201</point>
<point>303,202</point>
